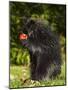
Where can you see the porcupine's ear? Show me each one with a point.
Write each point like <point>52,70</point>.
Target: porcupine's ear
<point>27,20</point>
<point>24,20</point>
<point>32,21</point>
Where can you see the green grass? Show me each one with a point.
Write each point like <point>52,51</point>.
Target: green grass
<point>19,78</point>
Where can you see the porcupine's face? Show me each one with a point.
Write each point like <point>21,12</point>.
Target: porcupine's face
<point>27,35</point>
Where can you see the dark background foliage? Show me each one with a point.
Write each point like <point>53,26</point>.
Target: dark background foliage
<point>55,15</point>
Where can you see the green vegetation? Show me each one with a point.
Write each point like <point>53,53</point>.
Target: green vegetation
<point>55,15</point>
<point>20,77</point>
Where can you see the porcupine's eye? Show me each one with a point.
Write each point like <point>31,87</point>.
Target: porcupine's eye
<point>25,31</point>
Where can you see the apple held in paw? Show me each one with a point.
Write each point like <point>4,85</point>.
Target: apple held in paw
<point>23,36</point>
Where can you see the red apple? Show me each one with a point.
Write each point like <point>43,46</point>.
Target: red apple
<point>23,36</point>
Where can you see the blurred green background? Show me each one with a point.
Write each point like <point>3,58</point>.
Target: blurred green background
<point>55,15</point>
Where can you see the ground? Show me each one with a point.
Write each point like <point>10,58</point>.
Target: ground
<point>19,78</point>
